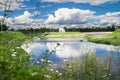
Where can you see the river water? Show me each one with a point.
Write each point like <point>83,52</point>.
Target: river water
<point>70,49</point>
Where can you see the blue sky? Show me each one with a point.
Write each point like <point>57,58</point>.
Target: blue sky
<point>63,12</point>
<point>49,7</point>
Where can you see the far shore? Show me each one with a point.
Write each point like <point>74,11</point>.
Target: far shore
<point>72,34</point>
<point>97,32</point>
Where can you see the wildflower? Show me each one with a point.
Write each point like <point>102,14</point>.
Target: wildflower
<point>13,50</point>
<point>35,73</point>
<point>51,69</point>
<point>49,61</point>
<point>47,76</point>
<point>13,55</point>
<point>69,66</point>
<point>57,71</point>
<point>42,60</point>
<point>65,60</point>
<point>60,74</point>
<point>31,58</point>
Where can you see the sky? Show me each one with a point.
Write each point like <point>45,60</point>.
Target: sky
<point>61,13</point>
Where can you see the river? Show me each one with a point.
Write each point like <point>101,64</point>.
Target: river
<point>70,49</point>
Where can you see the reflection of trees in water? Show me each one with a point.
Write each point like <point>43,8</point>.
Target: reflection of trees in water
<point>69,49</point>
<point>73,51</point>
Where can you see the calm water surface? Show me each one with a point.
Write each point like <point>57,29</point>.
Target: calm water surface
<point>70,49</point>
<point>67,49</point>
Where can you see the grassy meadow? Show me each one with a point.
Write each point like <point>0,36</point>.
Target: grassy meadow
<point>111,39</point>
<point>14,63</point>
<point>64,35</point>
<point>6,36</point>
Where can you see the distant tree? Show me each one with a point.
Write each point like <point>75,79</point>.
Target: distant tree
<point>5,11</point>
<point>12,29</point>
<point>4,27</point>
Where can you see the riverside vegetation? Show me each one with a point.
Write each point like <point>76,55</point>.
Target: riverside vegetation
<point>15,63</point>
<point>64,35</point>
<point>113,39</point>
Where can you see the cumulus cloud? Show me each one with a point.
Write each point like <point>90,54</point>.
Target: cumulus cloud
<point>69,16</point>
<point>109,19</point>
<point>77,17</point>
<point>24,21</point>
<point>64,17</point>
<point>91,2</point>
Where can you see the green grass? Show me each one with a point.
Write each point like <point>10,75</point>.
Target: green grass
<point>12,57</point>
<point>14,64</point>
<point>64,35</point>
<point>6,36</point>
<point>31,35</point>
<point>111,39</point>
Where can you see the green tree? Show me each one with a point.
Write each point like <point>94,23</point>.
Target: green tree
<point>4,27</point>
<point>6,10</point>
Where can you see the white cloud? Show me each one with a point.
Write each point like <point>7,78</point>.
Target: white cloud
<point>36,13</point>
<point>109,19</point>
<point>85,18</point>
<point>64,17</point>
<point>91,2</point>
<point>46,6</point>
<point>69,16</point>
<point>12,4</point>
<point>22,19</point>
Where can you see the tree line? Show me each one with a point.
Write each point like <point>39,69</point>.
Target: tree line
<point>87,29</point>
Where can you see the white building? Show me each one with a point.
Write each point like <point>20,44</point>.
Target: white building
<point>61,29</point>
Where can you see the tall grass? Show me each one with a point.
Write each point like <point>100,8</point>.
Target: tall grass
<point>89,67</point>
<point>113,39</point>
<point>15,65</point>
<point>6,36</point>
<point>12,59</point>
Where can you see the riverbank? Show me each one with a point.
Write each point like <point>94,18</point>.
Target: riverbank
<point>64,35</point>
<point>72,34</point>
<point>110,39</point>
<point>15,63</point>
<point>12,57</point>
<point>7,36</point>
<point>91,33</point>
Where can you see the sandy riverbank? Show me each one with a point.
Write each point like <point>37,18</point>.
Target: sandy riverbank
<point>97,32</point>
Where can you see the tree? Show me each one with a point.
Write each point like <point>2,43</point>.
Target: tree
<point>4,27</point>
<point>5,15</point>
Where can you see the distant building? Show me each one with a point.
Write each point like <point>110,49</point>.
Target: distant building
<point>61,29</point>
